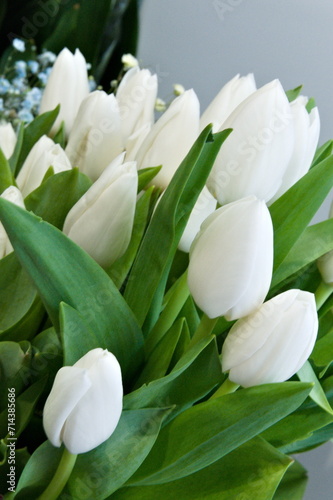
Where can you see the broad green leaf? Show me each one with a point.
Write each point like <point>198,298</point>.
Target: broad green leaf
<point>17,150</point>
<point>106,468</point>
<point>146,175</point>
<point>250,472</point>
<point>6,177</point>
<point>63,272</point>
<point>322,354</point>
<point>159,360</point>
<point>293,211</point>
<point>34,131</point>
<point>15,361</point>
<point>315,241</point>
<point>60,136</point>
<point>293,484</point>
<point>54,198</point>
<point>294,93</point>
<point>323,152</point>
<point>168,222</point>
<point>182,387</point>
<point>203,434</point>
<point>21,458</point>
<point>121,267</point>
<point>307,374</point>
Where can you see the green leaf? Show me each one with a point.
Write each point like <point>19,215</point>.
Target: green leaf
<point>21,458</point>
<point>146,175</point>
<point>251,472</point>
<point>17,150</point>
<point>15,361</point>
<point>315,241</point>
<point>54,198</point>
<point>73,277</point>
<point>208,431</point>
<point>307,374</point>
<point>323,152</point>
<point>293,93</point>
<point>106,468</point>
<point>182,387</point>
<point>293,484</point>
<point>6,177</point>
<point>168,222</point>
<point>293,211</point>
<point>34,131</point>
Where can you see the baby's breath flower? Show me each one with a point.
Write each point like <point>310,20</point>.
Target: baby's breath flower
<point>19,45</point>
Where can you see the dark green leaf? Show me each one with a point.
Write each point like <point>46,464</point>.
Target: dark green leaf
<point>6,177</point>
<point>293,484</point>
<point>323,152</point>
<point>146,175</point>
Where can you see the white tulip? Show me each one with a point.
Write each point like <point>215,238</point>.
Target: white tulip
<point>101,221</point>
<point>15,196</point>
<point>7,139</point>
<point>255,156</point>
<point>306,130</point>
<point>85,403</point>
<point>272,343</point>
<point>136,96</point>
<point>205,205</point>
<point>231,259</point>
<point>325,263</point>
<point>96,138</point>
<point>171,138</point>
<point>43,155</point>
<point>68,86</point>
<point>229,97</point>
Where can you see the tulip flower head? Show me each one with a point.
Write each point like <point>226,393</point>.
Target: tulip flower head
<point>85,403</point>
<point>272,343</point>
<point>7,139</point>
<point>231,259</point>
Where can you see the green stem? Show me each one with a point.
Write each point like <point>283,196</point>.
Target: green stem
<point>177,299</point>
<point>226,388</point>
<point>60,477</point>
<point>322,293</point>
<point>204,329</point>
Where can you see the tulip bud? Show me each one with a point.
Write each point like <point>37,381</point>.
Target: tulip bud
<point>136,97</point>
<point>85,403</point>
<point>306,129</point>
<point>325,263</point>
<point>255,156</point>
<point>229,97</point>
<point>14,195</point>
<point>272,343</point>
<point>101,221</point>
<point>231,259</point>
<point>205,205</point>
<point>7,139</point>
<point>171,138</point>
<point>68,86</point>
<point>43,155</point>
<point>96,137</point>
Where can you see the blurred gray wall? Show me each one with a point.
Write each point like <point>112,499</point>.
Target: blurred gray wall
<point>204,43</point>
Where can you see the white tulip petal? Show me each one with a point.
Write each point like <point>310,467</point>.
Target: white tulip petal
<point>7,139</point>
<point>14,195</point>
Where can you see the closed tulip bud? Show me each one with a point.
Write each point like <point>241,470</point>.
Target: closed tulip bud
<point>205,205</point>
<point>255,156</point>
<point>68,86</point>
<point>306,130</point>
<point>325,263</point>
<point>101,221</point>
<point>96,138</point>
<point>163,145</point>
<point>43,155</point>
<point>229,97</point>
<point>272,343</point>
<point>231,259</point>
<point>136,96</point>
<point>85,403</point>
<point>14,195</point>
<point>7,139</point>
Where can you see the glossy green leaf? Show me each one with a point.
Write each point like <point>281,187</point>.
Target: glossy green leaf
<point>182,387</point>
<point>293,484</point>
<point>146,175</point>
<point>17,150</point>
<point>102,470</point>
<point>6,177</point>
<point>168,222</point>
<point>53,199</point>
<point>294,93</point>
<point>250,472</point>
<point>307,374</point>
<point>323,152</point>
<point>293,211</point>
<point>73,277</point>
<point>21,458</point>
<point>15,361</point>
<point>203,434</point>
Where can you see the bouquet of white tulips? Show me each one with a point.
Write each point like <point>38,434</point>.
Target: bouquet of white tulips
<point>166,307</point>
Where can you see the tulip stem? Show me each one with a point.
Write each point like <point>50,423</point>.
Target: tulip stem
<point>60,477</point>
<point>204,329</point>
<point>226,388</point>
<point>322,293</point>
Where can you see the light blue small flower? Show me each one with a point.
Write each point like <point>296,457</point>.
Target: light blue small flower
<point>33,66</point>
<point>4,86</point>
<point>21,69</point>
<point>18,84</point>
<point>18,45</point>
<point>42,77</point>
<point>35,95</point>
<point>1,104</point>
<point>25,115</point>
<point>47,58</point>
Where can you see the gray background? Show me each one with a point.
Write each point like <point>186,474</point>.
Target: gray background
<point>202,44</point>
